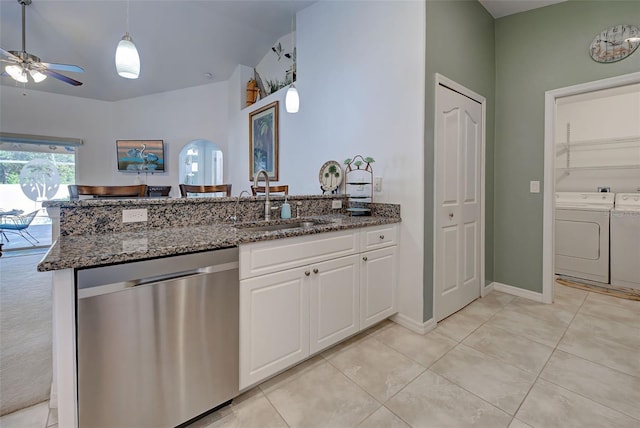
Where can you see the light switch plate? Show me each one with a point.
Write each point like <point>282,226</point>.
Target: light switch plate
<point>133,216</point>
<point>534,187</point>
<point>377,184</point>
<point>336,204</point>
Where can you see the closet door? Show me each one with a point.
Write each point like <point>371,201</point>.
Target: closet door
<point>458,155</point>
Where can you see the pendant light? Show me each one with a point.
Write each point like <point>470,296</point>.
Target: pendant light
<point>292,99</point>
<point>127,58</point>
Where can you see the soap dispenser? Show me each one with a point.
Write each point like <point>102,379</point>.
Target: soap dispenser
<point>285,210</point>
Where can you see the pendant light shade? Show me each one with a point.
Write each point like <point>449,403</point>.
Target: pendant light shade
<point>292,100</point>
<point>127,58</point>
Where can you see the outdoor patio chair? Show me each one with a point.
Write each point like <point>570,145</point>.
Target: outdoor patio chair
<point>18,224</point>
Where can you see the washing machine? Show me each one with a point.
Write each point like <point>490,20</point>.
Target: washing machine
<point>625,241</point>
<point>582,235</point>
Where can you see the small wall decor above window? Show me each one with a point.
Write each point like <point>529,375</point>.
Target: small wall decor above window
<point>615,43</point>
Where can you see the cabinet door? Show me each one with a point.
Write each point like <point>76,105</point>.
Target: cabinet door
<point>378,280</point>
<point>333,302</point>
<point>274,324</point>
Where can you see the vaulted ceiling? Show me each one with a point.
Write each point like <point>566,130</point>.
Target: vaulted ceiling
<point>182,43</point>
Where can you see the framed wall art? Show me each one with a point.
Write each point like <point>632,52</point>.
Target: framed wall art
<point>263,141</point>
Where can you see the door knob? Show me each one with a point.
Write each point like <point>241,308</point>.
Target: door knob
<point>307,273</point>
<point>450,216</point>
<point>315,270</point>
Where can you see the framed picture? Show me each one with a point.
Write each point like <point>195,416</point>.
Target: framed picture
<point>263,141</point>
<point>140,155</point>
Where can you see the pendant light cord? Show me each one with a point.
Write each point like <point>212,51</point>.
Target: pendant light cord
<point>127,16</point>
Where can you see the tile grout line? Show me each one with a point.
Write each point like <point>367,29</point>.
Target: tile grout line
<point>275,408</point>
<point>372,336</point>
<point>585,359</point>
<point>446,378</point>
<point>548,359</point>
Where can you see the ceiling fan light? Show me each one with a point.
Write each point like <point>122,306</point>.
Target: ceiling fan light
<point>127,58</point>
<point>37,76</point>
<point>292,100</point>
<point>17,72</point>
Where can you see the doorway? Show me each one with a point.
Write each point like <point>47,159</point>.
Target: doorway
<point>548,237</point>
<point>459,197</point>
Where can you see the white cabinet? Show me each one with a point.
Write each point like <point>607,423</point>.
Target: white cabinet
<point>378,273</point>
<point>334,302</point>
<point>274,324</point>
<point>301,295</point>
<point>286,316</point>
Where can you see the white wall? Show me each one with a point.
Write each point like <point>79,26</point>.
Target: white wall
<point>361,85</point>
<point>601,116</point>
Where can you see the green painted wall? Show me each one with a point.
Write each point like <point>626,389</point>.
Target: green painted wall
<point>537,51</point>
<point>460,46</point>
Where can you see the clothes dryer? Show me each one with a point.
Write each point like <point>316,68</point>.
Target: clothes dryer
<point>625,241</point>
<point>582,235</point>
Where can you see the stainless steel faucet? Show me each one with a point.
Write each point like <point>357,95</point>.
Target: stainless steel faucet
<point>267,202</point>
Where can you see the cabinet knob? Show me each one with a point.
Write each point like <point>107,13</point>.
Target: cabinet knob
<point>365,258</point>
<point>315,270</point>
<point>450,216</point>
<point>307,273</point>
<point>381,236</point>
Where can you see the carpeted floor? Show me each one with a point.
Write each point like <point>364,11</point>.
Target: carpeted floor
<point>25,331</point>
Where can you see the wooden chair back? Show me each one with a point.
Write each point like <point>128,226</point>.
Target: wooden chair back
<point>272,189</point>
<point>135,191</point>
<point>185,189</point>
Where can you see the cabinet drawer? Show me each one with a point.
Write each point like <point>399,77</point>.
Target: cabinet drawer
<point>260,258</point>
<point>378,237</point>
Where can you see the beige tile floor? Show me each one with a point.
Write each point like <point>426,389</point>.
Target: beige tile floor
<point>500,362</point>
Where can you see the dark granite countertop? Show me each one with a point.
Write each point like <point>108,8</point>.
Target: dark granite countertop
<point>84,251</point>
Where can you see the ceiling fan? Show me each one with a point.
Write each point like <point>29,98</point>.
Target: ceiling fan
<point>22,63</point>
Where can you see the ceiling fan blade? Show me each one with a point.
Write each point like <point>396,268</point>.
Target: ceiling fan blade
<point>59,76</point>
<point>63,67</point>
<point>9,55</point>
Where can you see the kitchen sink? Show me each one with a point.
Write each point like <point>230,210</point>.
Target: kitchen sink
<point>282,226</point>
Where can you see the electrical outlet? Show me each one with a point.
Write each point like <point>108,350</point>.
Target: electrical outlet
<point>336,204</point>
<point>133,216</point>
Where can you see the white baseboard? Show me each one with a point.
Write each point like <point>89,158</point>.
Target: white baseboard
<point>415,326</point>
<point>53,396</point>
<point>520,292</point>
<point>486,290</point>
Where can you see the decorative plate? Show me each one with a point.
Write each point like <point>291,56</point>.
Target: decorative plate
<point>330,176</point>
<point>615,43</point>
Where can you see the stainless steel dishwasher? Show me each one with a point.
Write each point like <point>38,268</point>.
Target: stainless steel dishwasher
<point>157,339</point>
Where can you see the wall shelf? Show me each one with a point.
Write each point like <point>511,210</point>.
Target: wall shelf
<point>621,143</point>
